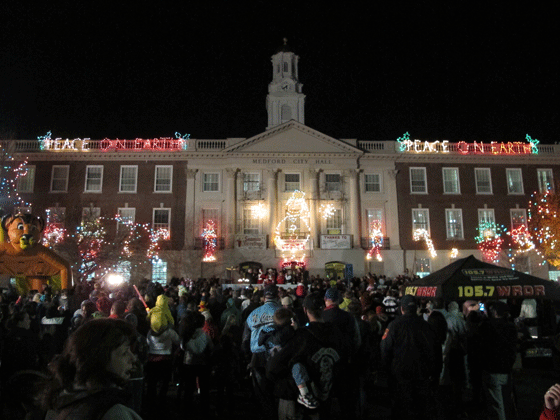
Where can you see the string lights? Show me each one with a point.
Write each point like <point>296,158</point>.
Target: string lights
<point>295,238</point>
<point>489,240</point>
<point>210,241</point>
<point>420,234</point>
<point>376,236</point>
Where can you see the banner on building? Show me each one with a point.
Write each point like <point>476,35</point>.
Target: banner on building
<point>336,241</point>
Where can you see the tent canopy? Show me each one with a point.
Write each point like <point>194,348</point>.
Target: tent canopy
<point>472,279</point>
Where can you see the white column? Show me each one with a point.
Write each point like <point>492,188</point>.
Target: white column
<point>271,198</point>
<point>354,208</point>
<point>229,231</point>
<point>313,206</point>
<point>190,207</point>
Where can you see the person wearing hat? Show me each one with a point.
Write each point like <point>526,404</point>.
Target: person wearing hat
<point>261,320</point>
<point>412,354</point>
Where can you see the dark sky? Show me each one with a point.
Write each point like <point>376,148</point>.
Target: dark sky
<point>439,70</point>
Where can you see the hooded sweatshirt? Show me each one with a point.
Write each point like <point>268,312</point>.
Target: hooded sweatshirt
<point>160,315</point>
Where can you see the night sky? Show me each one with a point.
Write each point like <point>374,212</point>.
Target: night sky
<point>439,70</point>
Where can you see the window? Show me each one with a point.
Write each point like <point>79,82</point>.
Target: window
<point>486,218</point>
<point>514,181</point>
<point>129,175</point>
<point>56,216</point>
<point>375,220</point>
<point>454,223</point>
<point>162,219</point>
<point>163,179</point>
<point>251,182</point>
<point>418,184</point>
<point>59,178</point>
<point>334,223</point>
<point>483,180</point>
<point>518,218</point>
<point>26,179</point>
<point>251,221</point>
<point>159,271</point>
<point>451,181</point>
<point>210,214</point>
<point>545,180</point>
<point>372,182</point>
<point>211,182</point>
<point>90,214</point>
<point>291,182</point>
<point>420,220</point>
<point>127,217</point>
<point>332,182</point>
<point>94,179</point>
<point>422,267</point>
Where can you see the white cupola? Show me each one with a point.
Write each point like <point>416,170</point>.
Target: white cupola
<point>285,101</point>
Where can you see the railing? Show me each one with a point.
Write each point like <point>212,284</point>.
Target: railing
<point>365,243</point>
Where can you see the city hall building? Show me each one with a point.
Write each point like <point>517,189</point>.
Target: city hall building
<point>292,195</point>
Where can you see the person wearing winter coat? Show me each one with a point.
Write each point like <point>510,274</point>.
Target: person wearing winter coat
<point>160,315</point>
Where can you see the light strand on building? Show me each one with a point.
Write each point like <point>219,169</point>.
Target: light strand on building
<point>420,234</point>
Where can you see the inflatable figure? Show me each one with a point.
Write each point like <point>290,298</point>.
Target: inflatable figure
<point>23,255</point>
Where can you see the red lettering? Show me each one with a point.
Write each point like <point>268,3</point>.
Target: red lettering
<point>503,290</point>
<point>527,290</point>
<point>105,144</point>
<point>494,148</point>
<point>510,148</point>
<point>138,144</point>
<point>147,144</point>
<point>433,291</point>
<point>539,290</point>
<point>503,148</point>
<point>516,291</point>
<point>463,147</point>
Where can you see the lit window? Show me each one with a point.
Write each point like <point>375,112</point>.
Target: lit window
<point>251,222</point>
<point>454,223</point>
<point>418,184</point>
<point>332,182</point>
<point>251,182</point>
<point>94,179</point>
<point>514,181</point>
<point>26,179</point>
<point>162,218</point>
<point>420,220</point>
<point>159,271</point>
<point>518,218</point>
<point>451,181</point>
<point>334,223</point>
<point>545,180</point>
<point>486,217</point>
<point>483,180</point>
<point>422,267</point>
<point>163,179</point>
<point>372,182</point>
<point>59,179</point>
<point>210,214</point>
<point>291,182</point>
<point>375,219</point>
<point>90,214</point>
<point>129,175</point>
<point>211,183</point>
<point>127,217</point>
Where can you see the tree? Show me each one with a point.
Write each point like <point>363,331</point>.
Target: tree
<point>544,225</point>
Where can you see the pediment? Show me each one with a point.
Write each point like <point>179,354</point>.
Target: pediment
<point>292,137</point>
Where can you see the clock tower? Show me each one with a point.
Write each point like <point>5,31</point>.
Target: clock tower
<point>285,101</point>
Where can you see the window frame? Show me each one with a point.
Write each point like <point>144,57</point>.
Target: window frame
<point>126,209</point>
<point>459,223</point>
<point>90,191</point>
<point>514,171</point>
<point>249,185</point>
<point>476,181</point>
<point>458,180</point>
<point>122,168</point>
<point>292,182</point>
<point>156,178</point>
<point>54,167</point>
<point>547,171</point>
<point>524,212</point>
<point>168,210</point>
<point>366,183</point>
<point>206,183</point>
<point>331,225</point>
<point>251,225</point>
<point>333,186</point>
<point>427,220</point>
<point>422,169</point>
<point>29,169</point>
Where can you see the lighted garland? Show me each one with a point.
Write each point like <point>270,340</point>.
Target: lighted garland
<point>376,236</point>
<point>544,225</point>
<point>489,240</point>
<point>454,253</point>
<point>327,210</point>
<point>10,173</point>
<point>210,241</point>
<point>420,234</point>
<point>296,210</point>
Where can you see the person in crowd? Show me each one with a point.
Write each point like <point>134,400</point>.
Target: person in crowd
<point>160,315</point>
<point>551,409</point>
<point>499,335</point>
<point>320,348</point>
<point>117,310</point>
<point>88,377</point>
<point>411,353</point>
<point>258,321</point>
<point>231,309</point>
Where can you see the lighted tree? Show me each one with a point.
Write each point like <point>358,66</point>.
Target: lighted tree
<point>544,224</point>
<point>11,171</point>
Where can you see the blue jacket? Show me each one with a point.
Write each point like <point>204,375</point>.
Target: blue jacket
<point>261,320</point>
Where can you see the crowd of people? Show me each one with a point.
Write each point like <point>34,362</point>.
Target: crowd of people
<point>309,349</point>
